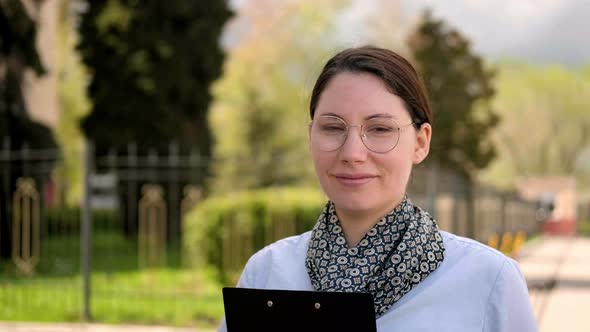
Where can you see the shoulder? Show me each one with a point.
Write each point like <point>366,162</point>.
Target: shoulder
<point>498,279</point>
<point>292,245</point>
<point>458,247</point>
<point>280,255</point>
<point>482,263</point>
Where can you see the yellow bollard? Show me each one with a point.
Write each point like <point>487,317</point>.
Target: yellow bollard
<point>507,243</point>
<point>519,240</point>
<point>493,241</point>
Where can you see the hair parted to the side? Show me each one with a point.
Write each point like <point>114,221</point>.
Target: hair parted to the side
<point>398,75</point>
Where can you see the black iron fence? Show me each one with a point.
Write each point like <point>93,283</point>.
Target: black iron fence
<point>117,256</point>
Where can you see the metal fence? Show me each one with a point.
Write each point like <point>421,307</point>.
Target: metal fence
<point>122,240</point>
<point>120,251</point>
<point>471,209</point>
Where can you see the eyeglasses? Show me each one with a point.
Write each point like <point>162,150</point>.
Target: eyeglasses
<point>379,135</point>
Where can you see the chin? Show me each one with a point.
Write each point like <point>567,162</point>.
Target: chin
<point>355,204</point>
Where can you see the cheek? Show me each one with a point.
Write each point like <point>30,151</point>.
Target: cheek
<point>396,168</point>
<point>321,160</point>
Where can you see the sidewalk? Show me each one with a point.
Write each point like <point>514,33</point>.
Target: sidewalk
<point>81,327</point>
<point>557,270</point>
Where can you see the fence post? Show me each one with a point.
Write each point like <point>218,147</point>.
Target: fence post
<point>133,174</point>
<point>173,197</point>
<point>471,192</point>
<point>432,189</point>
<point>86,233</point>
<point>5,205</point>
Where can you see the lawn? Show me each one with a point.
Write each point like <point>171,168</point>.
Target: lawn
<point>120,292</point>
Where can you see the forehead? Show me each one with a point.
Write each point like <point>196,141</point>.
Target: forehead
<point>355,96</point>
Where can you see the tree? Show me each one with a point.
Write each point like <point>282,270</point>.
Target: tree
<point>385,25</point>
<point>545,128</point>
<point>18,53</point>
<point>73,102</point>
<point>461,90</point>
<point>151,63</point>
<point>259,117</point>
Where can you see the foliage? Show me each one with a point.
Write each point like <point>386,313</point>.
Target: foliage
<point>460,89</point>
<point>584,227</point>
<point>151,64</point>
<point>17,54</point>
<point>259,118</point>
<point>386,26</point>
<point>546,127</point>
<point>73,102</point>
<point>222,232</point>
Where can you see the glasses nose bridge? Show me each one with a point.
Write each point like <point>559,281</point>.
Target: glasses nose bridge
<point>360,126</point>
<point>362,135</point>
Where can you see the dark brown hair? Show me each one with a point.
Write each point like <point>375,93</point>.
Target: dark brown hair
<point>398,75</point>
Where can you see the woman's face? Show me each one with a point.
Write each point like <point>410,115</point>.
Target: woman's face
<point>356,179</point>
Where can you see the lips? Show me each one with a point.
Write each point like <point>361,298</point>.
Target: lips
<point>354,179</point>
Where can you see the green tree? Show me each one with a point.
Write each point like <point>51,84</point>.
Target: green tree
<point>18,53</point>
<point>259,117</point>
<point>73,102</point>
<point>151,63</point>
<point>545,128</point>
<point>460,89</point>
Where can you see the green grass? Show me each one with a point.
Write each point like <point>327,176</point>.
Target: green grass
<point>121,293</point>
<point>584,227</point>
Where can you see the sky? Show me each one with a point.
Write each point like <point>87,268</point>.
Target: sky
<point>540,31</point>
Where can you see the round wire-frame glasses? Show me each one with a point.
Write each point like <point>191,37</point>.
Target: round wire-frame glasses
<point>378,134</point>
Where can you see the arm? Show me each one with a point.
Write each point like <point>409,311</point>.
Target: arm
<point>508,307</point>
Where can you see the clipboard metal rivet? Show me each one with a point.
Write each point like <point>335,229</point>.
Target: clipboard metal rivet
<point>317,305</point>
<point>269,304</point>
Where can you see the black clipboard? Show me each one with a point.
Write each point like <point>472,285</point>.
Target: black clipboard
<point>265,310</point>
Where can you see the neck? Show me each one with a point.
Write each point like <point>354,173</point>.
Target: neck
<point>355,224</point>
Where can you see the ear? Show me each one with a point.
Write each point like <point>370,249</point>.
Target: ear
<point>422,146</point>
<point>309,136</point>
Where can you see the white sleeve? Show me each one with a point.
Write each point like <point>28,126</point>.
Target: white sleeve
<point>509,307</point>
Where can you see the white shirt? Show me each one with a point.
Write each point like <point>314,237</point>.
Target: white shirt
<point>476,288</point>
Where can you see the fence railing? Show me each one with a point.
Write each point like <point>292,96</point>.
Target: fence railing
<point>471,209</point>
<point>124,238</point>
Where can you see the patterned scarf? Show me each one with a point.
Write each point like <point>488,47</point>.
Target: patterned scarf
<point>400,251</point>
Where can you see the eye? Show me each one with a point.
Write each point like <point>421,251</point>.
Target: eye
<point>380,129</point>
<point>332,128</point>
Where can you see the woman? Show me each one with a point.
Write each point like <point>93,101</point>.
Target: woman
<point>371,122</point>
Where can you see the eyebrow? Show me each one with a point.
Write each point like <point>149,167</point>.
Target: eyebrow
<point>373,116</point>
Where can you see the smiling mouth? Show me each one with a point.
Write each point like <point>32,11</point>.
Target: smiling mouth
<point>354,180</point>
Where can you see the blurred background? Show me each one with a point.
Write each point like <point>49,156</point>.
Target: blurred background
<point>148,148</point>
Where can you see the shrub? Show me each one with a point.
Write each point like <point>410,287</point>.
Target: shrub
<point>584,227</point>
<point>222,232</point>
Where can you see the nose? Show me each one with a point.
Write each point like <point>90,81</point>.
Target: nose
<point>353,149</point>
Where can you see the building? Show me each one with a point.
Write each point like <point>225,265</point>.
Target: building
<point>560,193</point>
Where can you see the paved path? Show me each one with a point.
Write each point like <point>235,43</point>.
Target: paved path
<point>557,270</point>
<point>73,327</point>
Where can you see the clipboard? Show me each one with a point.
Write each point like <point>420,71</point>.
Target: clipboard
<point>265,310</point>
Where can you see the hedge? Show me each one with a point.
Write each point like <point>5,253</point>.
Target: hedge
<point>222,232</point>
